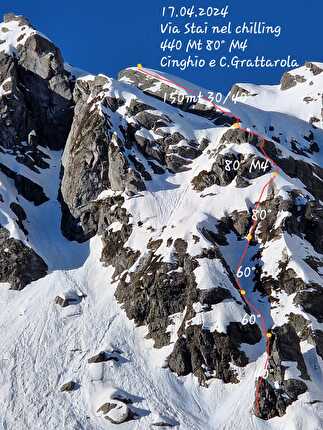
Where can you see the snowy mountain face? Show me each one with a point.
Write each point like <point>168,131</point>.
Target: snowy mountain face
<point>161,264</point>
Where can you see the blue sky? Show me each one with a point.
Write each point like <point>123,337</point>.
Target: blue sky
<point>106,36</point>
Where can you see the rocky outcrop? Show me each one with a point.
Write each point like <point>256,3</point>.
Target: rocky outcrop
<point>157,290</point>
<point>224,171</point>
<point>94,158</point>
<point>273,402</point>
<point>198,103</point>
<point>103,356</point>
<point>206,353</point>
<point>232,165</point>
<point>239,91</point>
<point>310,174</point>
<point>107,151</point>
<point>19,265</point>
<point>277,392</point>
<point>311,301</point>
<point>37,108</point>
<point>289,81</point>
<point>24,186</point>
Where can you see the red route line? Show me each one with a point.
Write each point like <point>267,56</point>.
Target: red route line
<point>252,229</point>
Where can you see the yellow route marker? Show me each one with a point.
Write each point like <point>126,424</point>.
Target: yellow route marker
<point>243,292</point>
<point>274,174</point>
<point>139,66</point>
<point>236,125</point>
<point>249,237</point>
<point>269,335</point>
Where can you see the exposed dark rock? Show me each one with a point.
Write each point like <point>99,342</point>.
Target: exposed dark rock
<point>94,159</point>
<point>285,347</point>
<point>18,211</point>
<point>27,188</point>
<point>104,356</point>
<point>213,296</point>
<point>271,402</point>
<point>218,174</point>
<point>148,119</point>
<point>288,81</point>
<point>61,301</point>
<point>319,342</point>
<point>20,265</point>
<point>156,169</point>
<point>241,182</point>
<point>301,326</point>
<point>223,170</point>
<point>8,17</point>
<point>314,68</point>
<point>40,97</point>
<point>137,106</point>
<point>311,301</point>
<point>305,220</point>
<point>157,290</point>
<point>276,393</point>
<point>164,422</point>
<point>238,136</point>
<point>20,214</point>
<point>200,348</point>
<point>69,386</point>
<point>114,253</point>
<point>310,174</point>
<point>180,359</point>
<point>268,404</point>
<point>236,222</point>
<point>254,167</point>
<point>169,94</point>
<point>106,407</point>
<point>238,91</point>
<point>153,245</point>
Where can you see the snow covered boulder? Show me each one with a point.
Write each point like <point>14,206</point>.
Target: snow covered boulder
<point>116,412</point>
<point>162,421</point>
<point>103,356</point>
<point>70,297</point>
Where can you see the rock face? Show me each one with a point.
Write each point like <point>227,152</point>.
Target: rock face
<point>273,402</point>
<point>277,392</point>
<point>198,350</point>
<point>19,265</point>
<point>37,107</point>
<point>291,79</point>
<point>196,103</point>
<point>97,158</point>
<point>94,157</point>
<point>167,289</point>
<point>107,150</point>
